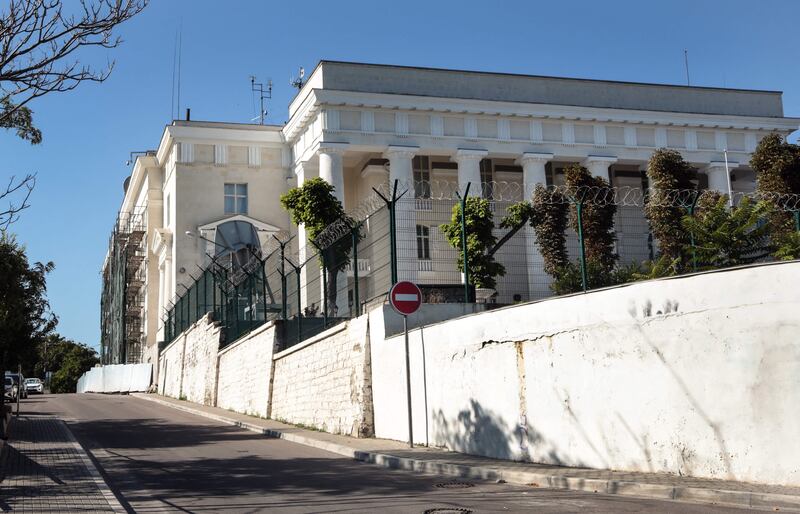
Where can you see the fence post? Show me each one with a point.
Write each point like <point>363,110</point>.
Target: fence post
<point>796,220</point>
<point>464,256</point>
<point>579,208</point>
<point>690,211</point>
<point>284,304</point>
<point>356,301</point>
<point>299,304</point>
<point>390,204</point>
<point>324,292</point>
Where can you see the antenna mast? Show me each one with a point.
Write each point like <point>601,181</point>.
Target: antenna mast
<point>258,87</point>
<point>686,63</point>
<point>298,82</point>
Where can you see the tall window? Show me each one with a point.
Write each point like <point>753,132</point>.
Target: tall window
<point>423,242</point>
<point>422,177</point>
<point>235,198</point>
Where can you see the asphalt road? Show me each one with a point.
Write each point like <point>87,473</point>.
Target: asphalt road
<point>158,459</point>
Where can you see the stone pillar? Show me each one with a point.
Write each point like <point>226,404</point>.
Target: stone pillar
<point>330,168</point>
<point>533,173</point>
<point>598,166</point>
<point>469,170</point>
<point>718,176</point>
<point>302,254</point>
<point>332,172</point>
<point>400,169</point>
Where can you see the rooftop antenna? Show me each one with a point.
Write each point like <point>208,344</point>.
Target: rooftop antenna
<point>258,87</point>
<point>686,63</point>
<point>298,82</point>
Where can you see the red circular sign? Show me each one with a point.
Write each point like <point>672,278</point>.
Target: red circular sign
<point>405,297</point>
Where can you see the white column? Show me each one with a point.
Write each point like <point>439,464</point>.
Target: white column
<point>598,166</point>
<point>469,170</point>
<point>400,169</point>
<point>302,249</point>
<point>718,176</point>
<point>331,170</point>
<point>533,173</point>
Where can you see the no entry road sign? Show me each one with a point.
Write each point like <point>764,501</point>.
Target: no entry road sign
<point>405,297</point>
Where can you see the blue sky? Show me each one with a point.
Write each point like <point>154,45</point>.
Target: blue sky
<point>88,133</point>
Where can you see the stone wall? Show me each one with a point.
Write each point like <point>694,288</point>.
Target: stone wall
<point>188,366</point>
<point>694,375</point>
<point>244,373</point>
<point>325,382</point>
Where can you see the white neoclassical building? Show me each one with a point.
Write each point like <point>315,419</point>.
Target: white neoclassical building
<point>358,126</point>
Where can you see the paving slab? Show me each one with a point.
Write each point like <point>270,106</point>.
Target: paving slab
<point>44,470</point>
<point>397,455</point>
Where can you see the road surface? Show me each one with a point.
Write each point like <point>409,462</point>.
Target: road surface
<point>158,459</point>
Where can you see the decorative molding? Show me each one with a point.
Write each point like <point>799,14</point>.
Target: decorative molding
<point>367,121</point>
<point>220,155</point>
<point>331,148</point>
<point>254,156</point>
<point>535,157</point>
<point>599,134</point>
<point>437,125</point>
<point>504,129</point>
<point>536,131</point>
<point>568,133</point>
<point>186,153</point>
<point>470,127</point>
<point>401,123</point>
<point>464,154</point>
<point>630,136</point>
<point>407,152</point>
<point>750,142</point>
<point>661,137</point>
<point>720,140</point>
<point>691,139</point>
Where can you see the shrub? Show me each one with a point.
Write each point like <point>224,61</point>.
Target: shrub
<point>480,223</point>
<point>597,217</point>
<point>666,173</point>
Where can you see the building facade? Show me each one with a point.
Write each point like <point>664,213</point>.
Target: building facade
<point>210,188</point>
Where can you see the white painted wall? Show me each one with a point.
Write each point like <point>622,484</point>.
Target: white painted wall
<point>694,375</point>
<point>244,373</point>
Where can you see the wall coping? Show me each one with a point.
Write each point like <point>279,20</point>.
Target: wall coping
<point>601,289</point>
<point>245,337</point>
<point>315,339</point>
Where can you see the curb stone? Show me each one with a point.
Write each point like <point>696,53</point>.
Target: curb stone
<point>747,499</point>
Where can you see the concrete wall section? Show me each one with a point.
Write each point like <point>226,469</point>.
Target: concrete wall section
<point>200,361</point>
<point>244,373</point>
<point>694,375</point>
<point>170,364</point>
<point>325,382</point>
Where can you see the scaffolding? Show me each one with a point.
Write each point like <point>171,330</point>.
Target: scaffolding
<point>122,312</point>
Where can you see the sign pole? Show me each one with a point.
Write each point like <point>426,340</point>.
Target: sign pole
<point>408,386</point>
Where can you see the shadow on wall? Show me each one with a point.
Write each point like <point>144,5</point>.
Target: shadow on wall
<point>480,431</point>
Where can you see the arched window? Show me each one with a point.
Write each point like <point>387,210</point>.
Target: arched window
<point>236,243</point>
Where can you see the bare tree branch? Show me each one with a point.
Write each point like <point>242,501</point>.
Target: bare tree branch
<point>38,39</point>
<point>25,188</point>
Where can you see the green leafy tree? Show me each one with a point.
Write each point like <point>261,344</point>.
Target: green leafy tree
<point>25,317</point>
<point>597,216</point>
<point>314,205</point>
<point>777,166</point>
<point>669,176</point>
<point>479,221</point>
<point>729,236</point>
<point>788,247</point>
<point>68,360</point>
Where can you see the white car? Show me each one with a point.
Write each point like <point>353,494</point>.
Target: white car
<point>34,385</point>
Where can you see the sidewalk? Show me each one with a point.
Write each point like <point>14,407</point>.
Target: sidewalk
<point>396,455</point>
<point>44,469</point>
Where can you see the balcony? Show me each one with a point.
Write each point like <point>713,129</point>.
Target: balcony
<point>364,268</point>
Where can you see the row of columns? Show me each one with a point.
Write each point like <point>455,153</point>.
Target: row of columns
<point>533,173</point>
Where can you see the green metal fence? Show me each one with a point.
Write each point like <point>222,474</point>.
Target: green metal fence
<point>396,235</point>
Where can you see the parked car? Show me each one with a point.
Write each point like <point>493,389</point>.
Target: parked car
<point>10,391</point>
<point>19,380</point>
<point>34,385</point>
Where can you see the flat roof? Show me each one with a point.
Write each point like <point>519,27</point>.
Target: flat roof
<point>512,87</point>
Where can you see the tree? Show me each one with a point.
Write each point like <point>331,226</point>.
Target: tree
<point>314,205</point>
<point>671,192</point>
<point>479,222</point>
<point>597,216</point>
<point>726,236</point>
<point>25,317</point>
<point>777,166</point>
<point>25,188</point>
<point>67,360</point>
<point>38,44</point>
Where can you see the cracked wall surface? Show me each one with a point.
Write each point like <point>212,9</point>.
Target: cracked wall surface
<point>694,375</point>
